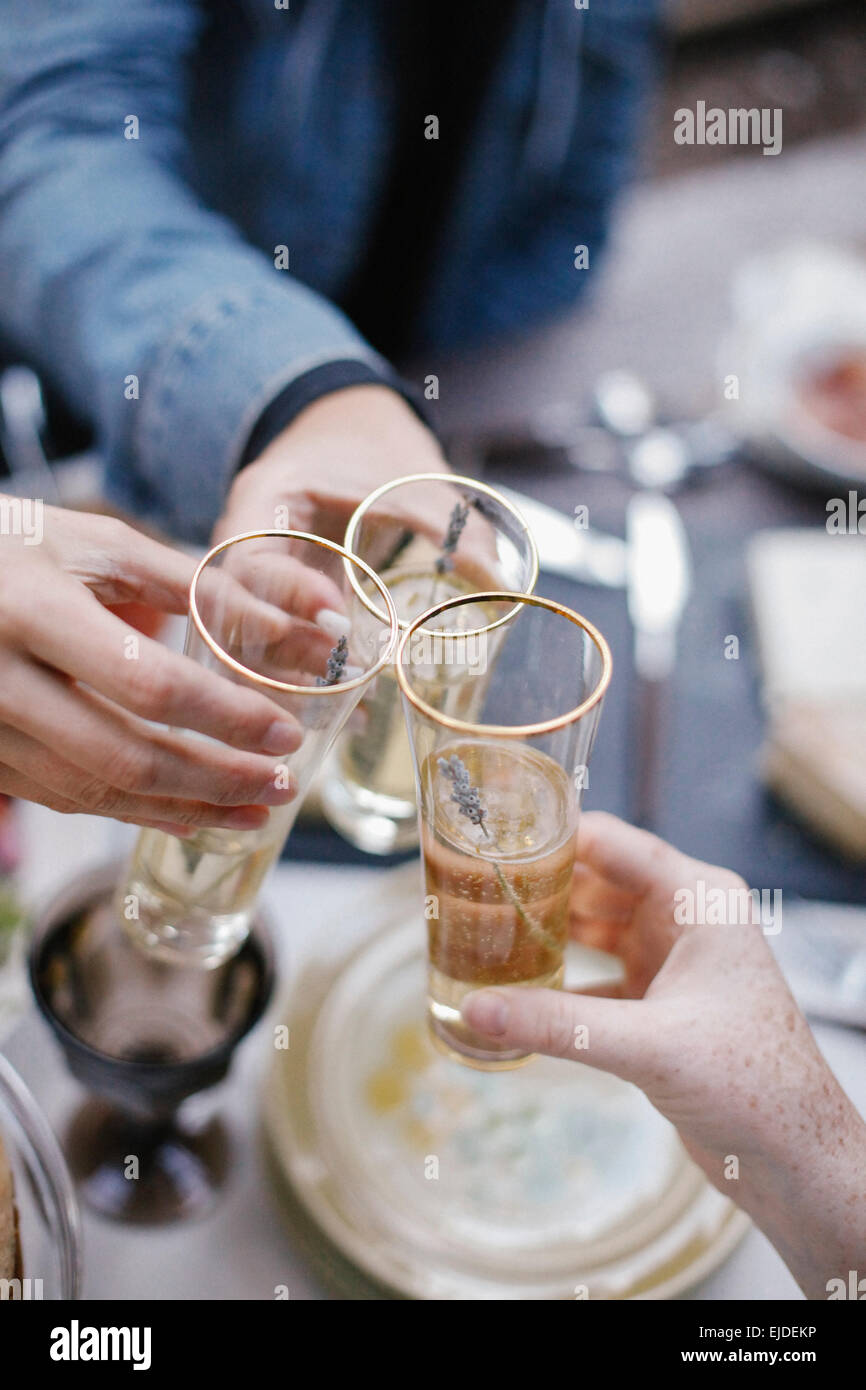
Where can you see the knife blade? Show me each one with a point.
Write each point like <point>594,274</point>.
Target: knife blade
<point>659,581</point>
<point>588,556</point>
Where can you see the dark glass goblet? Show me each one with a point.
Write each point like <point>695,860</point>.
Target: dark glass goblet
<point>143,1037</point>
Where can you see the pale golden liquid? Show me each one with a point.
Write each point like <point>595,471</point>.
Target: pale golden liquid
<point>379,758</point>
<point>192,900</point>
<point>501,898</point>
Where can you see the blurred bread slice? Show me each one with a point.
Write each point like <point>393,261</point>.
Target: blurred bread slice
<point>8,1220</point>
<point>808,593</point>
<point>814,761</point>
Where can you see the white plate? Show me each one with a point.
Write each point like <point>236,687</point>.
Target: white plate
<point>551,1182</point>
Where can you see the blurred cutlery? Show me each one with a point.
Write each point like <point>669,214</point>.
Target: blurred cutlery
<point>588,556</point>
<point>659,582</point>
<point>22,426</point>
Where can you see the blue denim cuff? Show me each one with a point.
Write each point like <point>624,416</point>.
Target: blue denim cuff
<point>321,381</point>
<point>234,353</point>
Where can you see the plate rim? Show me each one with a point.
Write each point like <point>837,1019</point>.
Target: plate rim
<point>293,1150</point>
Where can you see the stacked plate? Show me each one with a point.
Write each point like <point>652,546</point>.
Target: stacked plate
<point>440,1182</point>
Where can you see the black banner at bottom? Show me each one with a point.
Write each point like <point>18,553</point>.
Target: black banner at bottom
<point>251,1340</point>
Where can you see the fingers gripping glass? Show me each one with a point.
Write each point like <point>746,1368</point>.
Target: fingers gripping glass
<point>274,611</point>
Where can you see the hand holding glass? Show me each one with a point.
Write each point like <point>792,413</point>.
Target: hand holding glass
<point>274,610</point>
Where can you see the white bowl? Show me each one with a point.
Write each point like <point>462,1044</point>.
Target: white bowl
<point>799,308</point>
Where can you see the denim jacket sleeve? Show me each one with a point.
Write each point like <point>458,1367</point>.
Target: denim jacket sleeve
<point>145,307</point>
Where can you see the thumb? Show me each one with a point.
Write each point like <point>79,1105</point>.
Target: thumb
<point>611,1034</point>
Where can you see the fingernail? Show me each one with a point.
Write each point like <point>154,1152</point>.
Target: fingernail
<point>486,1011</point>
<point>277,795</point>
<point>281,737</point>
<point>335,624</point>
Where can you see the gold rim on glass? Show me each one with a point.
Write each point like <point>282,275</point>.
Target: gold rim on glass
<point>461,726</point>
<point>283,686</point>
<point>473,485</point>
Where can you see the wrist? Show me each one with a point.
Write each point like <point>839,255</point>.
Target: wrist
<point>367,431</point>
<point>803,1184</point>
<point>321,382</point>
<point>363,406</point>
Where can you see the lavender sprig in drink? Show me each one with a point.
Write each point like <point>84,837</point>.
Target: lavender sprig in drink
<point>498,869</point>
<point>336,663</point>
<point>456,523</point>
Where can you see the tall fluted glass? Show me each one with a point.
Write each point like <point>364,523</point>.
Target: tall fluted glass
<point>253,618</point>
<point>430,536</point>
<point>498,796</point>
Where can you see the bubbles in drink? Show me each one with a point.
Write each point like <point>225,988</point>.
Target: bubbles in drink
<point>501,886</point>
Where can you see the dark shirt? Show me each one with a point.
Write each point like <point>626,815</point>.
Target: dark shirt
<point>443,53</point>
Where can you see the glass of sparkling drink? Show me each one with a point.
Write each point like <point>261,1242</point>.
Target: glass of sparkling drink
<point>498,798</point>
<point>274,610</point>
<point>430,536</point>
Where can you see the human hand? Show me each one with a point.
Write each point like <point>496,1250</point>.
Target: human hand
<point>705,1025</point>
<point>317,470</point>
<point>339,450</point>
<point>77,696</point>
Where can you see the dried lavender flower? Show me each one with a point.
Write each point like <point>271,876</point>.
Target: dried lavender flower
<point>336,663</point>
<point>456,522</point>
<point>467,797</point>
